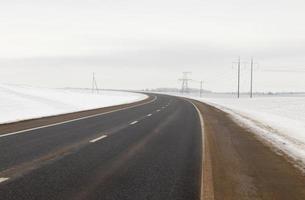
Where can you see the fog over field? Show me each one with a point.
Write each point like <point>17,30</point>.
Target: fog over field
<point>137,44</point>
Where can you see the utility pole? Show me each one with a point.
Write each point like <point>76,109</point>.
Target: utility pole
<point>185,80</point>
<point>94,83</point>
<point>238,78</point>
<point>201,88</point>
<point>251,81</point>
<point>93,80</point>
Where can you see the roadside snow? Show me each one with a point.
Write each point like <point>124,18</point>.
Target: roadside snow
<point>277,121</point>
<point>25,102</point>
<point>280,121</point>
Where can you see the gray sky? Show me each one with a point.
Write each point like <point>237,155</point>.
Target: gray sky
<point>135,44</point>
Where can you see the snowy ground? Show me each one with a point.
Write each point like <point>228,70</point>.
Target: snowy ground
<point>279,121</point>
<point>24,102</point>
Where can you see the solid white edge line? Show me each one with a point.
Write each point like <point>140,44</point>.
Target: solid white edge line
<point>202,159</point>
<point>99,138</point>
<point>77,119</point>
<point>134,122</point>
<point>2,179</point>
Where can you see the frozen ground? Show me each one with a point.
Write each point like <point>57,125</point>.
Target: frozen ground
<point>279,121</point>
<point>24,102</point>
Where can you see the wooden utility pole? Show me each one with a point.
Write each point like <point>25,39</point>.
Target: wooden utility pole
<point>94,84</point>
<point>238,78</point>
<point>251,80</point>
<point>201,88</point>
<point>93,80</point>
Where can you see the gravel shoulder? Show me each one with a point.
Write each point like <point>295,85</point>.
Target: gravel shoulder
<point>239,166</point>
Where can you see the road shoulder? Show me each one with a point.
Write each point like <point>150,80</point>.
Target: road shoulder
<point>241,166</point>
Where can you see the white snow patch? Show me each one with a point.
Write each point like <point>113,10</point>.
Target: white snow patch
<point>24,102</point>
<point>279,121</point>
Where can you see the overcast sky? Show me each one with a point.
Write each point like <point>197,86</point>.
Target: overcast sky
<point>136,44</point>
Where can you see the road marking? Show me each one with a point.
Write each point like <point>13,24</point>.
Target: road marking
<point>73,120</point>
<point>2,179</point>
<point>149,115</point>
<point>203,194</point>
<point>158,110</point>
<point>132,123</point>
<point>99,138</point>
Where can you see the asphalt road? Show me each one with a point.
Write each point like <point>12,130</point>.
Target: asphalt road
<point>151,151</point>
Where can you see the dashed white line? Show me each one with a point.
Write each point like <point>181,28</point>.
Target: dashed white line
<point>99,138</point>
<point>2,179</point>
<point>149,115</point>
<point>132,123</point>
<point>158,110</point>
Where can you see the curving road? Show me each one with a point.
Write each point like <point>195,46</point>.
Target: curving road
<point>146,150</point>
<point>149,151</point>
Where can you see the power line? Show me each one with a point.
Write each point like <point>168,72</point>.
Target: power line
<point>201,86</point>
<point>284,70</point>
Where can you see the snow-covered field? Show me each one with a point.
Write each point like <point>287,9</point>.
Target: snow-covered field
<point>280,121</point>
<point>25,102</point>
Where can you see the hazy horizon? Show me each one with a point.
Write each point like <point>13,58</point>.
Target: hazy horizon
<point>148,44</point>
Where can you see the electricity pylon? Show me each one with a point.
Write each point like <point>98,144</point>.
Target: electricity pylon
<point>185,80</point>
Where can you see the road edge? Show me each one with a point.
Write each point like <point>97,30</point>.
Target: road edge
<point>207,188</point>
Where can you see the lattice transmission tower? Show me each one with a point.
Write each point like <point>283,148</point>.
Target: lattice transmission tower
<point>184,82</point>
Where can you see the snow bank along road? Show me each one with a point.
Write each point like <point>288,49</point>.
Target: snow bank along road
<point>238,165</point>
<point>146,150</point>
<point>19,103</point>
<point>279,121</point>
